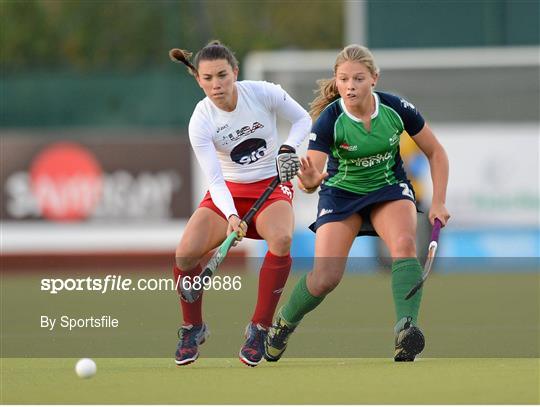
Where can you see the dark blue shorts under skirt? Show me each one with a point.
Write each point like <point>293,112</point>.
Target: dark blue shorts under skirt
<point>336,204</point>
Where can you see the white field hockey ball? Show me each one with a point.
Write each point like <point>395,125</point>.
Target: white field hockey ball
<point>85,368</point>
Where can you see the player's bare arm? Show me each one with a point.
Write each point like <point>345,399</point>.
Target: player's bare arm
<point>438,164</point>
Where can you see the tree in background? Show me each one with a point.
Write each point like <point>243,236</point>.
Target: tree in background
<point>132,35</point>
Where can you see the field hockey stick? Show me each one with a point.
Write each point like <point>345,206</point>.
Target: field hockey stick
<point>432,249</point>
<point>190,294</point>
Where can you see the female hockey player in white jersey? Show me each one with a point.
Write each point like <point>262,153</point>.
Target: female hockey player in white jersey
<point>234,136</point>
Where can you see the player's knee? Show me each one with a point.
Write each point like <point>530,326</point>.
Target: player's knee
<point>404,246</point>
<point>186,263</point>
<point>280,245</point>
<point>186,258</point>
<point>322,284</point>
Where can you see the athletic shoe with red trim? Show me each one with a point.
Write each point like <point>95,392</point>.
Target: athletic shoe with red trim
<point>252,351</point>
<point>191,336</point>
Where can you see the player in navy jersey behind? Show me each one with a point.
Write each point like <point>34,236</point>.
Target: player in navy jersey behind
<point>234,136</point>
<point>365,191</point>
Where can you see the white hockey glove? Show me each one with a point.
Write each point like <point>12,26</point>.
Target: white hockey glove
<point>287,163</point>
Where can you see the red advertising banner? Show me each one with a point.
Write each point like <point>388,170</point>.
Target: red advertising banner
<point>117,179</point>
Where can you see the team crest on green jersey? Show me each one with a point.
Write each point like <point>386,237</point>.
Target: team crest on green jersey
<point>394,139</point>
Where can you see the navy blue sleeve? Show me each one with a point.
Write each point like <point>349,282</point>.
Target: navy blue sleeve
<point>322,132</point>
<point>411,117</point>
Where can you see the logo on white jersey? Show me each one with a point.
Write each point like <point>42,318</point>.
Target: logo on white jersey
<point>249,151</point>
<point>286,190</point>
<point>221,128</point>
<point>325,212</point>
<point>242,132</point>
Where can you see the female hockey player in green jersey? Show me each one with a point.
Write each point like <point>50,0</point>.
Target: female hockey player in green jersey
<point>365,191</point>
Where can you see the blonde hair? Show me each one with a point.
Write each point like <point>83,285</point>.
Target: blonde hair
<point>328,91</point>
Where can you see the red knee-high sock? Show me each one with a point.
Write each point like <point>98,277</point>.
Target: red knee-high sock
<point>272,279</point>
<point>192,312</point>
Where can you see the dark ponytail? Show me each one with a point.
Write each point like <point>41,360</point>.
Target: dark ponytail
<point>212,51</point>
<point>182,57</point>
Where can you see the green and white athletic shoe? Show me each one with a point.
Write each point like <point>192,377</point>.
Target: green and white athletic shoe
<point>409,341</point>
<point>277,338</point>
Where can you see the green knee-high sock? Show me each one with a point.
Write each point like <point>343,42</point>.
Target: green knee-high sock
<point>300,303</point>
<point>405,274</point>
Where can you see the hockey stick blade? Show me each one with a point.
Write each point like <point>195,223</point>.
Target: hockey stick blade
<point>427,269</point>
<point>188,293</point>
<point>415,289</point>
<point>429,261</point>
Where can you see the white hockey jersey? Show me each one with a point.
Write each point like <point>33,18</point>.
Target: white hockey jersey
<point>241,146</point>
